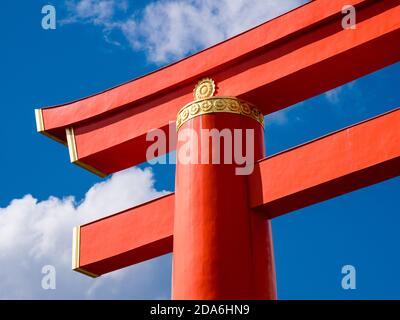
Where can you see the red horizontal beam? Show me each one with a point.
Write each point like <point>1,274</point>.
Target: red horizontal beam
<point>189,69</point>
<point>286,60</point>
<point>341,162</point>
<point>126,238</point>
<point>347,160</point>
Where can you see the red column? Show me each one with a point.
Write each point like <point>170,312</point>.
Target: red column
<point>222,249</point>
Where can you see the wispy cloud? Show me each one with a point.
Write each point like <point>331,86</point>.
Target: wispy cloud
<point>335,96</point>
<point>278,118</point>
<point>171,29</point>
<point>97,12</point>
<point>36,233</point>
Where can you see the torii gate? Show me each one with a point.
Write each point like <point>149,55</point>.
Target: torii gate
<point>217,224</point>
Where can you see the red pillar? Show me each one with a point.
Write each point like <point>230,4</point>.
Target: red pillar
<point>222,249</point>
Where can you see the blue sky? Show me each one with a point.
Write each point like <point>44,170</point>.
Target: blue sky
<point>92,50</point>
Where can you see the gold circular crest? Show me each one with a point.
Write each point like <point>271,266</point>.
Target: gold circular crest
<point>205,103</point>
<point>204,89</point>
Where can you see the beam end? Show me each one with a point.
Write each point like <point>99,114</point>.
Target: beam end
<point>40,126</point>
<point>39,120</point>
<point>76,251</point>
<point>73,154</point>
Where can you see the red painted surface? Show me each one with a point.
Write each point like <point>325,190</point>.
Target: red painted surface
<point>291,58</point>
<point>129,237</point>
<point>190,69</point>
<point>217,220</point>
<point>222,249</point>
<point>344,161</point>
<point>341,162</point>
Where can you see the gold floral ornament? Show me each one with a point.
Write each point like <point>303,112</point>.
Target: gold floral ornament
<point>206,103</point>
<point>204,89</point>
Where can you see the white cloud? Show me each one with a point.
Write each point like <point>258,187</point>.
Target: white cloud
<point>36,233</point>
<point>171,29</point>
<point>335,95</point>
<point>98,12</point>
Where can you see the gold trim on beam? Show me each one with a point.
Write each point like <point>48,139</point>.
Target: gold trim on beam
<point>39,120</point>
<point>90,169</point>
<point>40,127</point>
<point>76,235</point>
<point>86,273</point>
<point>76,232</point>
<point>73,154</point>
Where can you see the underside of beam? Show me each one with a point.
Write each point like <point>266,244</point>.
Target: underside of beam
<point>286,60</point>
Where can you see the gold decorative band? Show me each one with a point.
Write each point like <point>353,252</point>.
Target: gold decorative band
<point>218,104</point>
